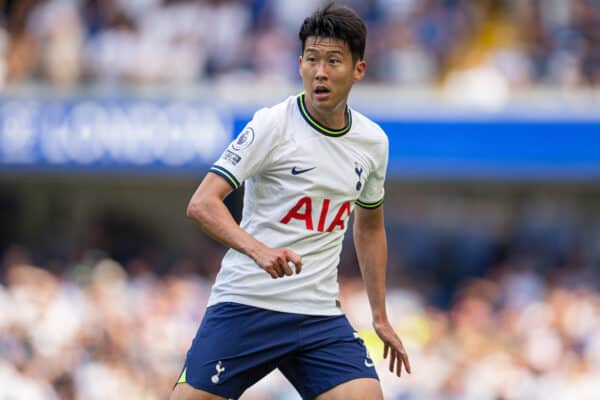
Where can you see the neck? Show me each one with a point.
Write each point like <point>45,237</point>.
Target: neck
<point>335,118</point>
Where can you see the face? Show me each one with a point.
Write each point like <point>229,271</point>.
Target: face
<point>328,73</point>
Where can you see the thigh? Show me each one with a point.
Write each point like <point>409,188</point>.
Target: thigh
<point>187,392</point>
<point>236,346</point>
<point>356,389</point>
<point>332,354</point>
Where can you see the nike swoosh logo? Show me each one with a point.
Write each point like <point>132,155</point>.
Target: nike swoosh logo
<point>301,171</point>
<point>369,364</point>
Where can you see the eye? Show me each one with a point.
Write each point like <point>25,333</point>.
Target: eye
<point>334,61</point>
<point>311,58</point>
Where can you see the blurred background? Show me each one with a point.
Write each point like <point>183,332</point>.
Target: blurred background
<point>111,112</point>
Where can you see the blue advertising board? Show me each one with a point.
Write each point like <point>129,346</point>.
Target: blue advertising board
<point>85,135</point>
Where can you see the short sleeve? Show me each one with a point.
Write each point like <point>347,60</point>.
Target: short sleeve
<point>373,191</point>
<point>247,154</point>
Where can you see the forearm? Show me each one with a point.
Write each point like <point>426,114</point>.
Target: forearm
<point>371,250</point>
<point>214,218</point>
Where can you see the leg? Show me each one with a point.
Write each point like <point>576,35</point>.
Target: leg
<point>356,389</point>
<point>332,362</point>
<point>183,391</point>
<point>235,347</point>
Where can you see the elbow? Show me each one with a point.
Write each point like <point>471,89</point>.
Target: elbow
<point>189,211</point>
<point>366,232</point>
<point>196,209</point>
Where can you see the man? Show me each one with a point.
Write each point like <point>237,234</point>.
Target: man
<point>306,163</point>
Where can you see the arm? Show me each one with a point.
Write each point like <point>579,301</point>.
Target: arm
<point>371,249</point>
<point>206,208</point>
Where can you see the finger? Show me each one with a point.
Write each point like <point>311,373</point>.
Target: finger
<point>406,363</point>
<point>274,266</point>
<point>271,271</point>
<point>402,358</point>
<point>295,259</point>
<point>392,360</point>
<point>281,262</point>
<point>296,268</point>
<point>285,267</point>
<point>386,348</point>
<point>278,269</point>
<point>398,365</point>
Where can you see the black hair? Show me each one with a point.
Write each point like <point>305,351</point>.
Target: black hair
<point>336,22</point>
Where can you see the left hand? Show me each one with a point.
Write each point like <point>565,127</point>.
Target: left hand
<point>392,346</point>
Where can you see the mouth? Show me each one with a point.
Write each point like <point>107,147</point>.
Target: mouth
<point>322,91</point>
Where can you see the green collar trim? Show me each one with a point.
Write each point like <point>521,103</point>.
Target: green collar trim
<point>321,128</point>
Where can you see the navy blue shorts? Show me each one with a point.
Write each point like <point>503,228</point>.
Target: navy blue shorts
<point>236,345</point>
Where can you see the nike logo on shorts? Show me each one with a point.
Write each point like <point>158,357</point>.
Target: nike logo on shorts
<point>301,171</point>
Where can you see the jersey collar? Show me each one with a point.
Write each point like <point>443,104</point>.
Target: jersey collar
<point>312,121</point>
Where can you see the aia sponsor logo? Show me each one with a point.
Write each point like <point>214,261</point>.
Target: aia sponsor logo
<point>303,213</point>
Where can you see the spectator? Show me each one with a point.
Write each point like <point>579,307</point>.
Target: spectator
<point>528,43</point>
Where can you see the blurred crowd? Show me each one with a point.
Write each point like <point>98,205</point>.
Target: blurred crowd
<point>97,332</point>
<point>523,44</point>
<point>494,300</point>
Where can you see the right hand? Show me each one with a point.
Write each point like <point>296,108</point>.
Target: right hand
<point>276,261</point>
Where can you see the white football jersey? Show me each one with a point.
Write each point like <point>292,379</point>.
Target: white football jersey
<point>302,181</point>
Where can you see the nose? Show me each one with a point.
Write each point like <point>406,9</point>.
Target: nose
<point>321,73</point>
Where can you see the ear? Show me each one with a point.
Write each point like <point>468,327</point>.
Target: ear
<point>360,68</point>
<point>299,64</point>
